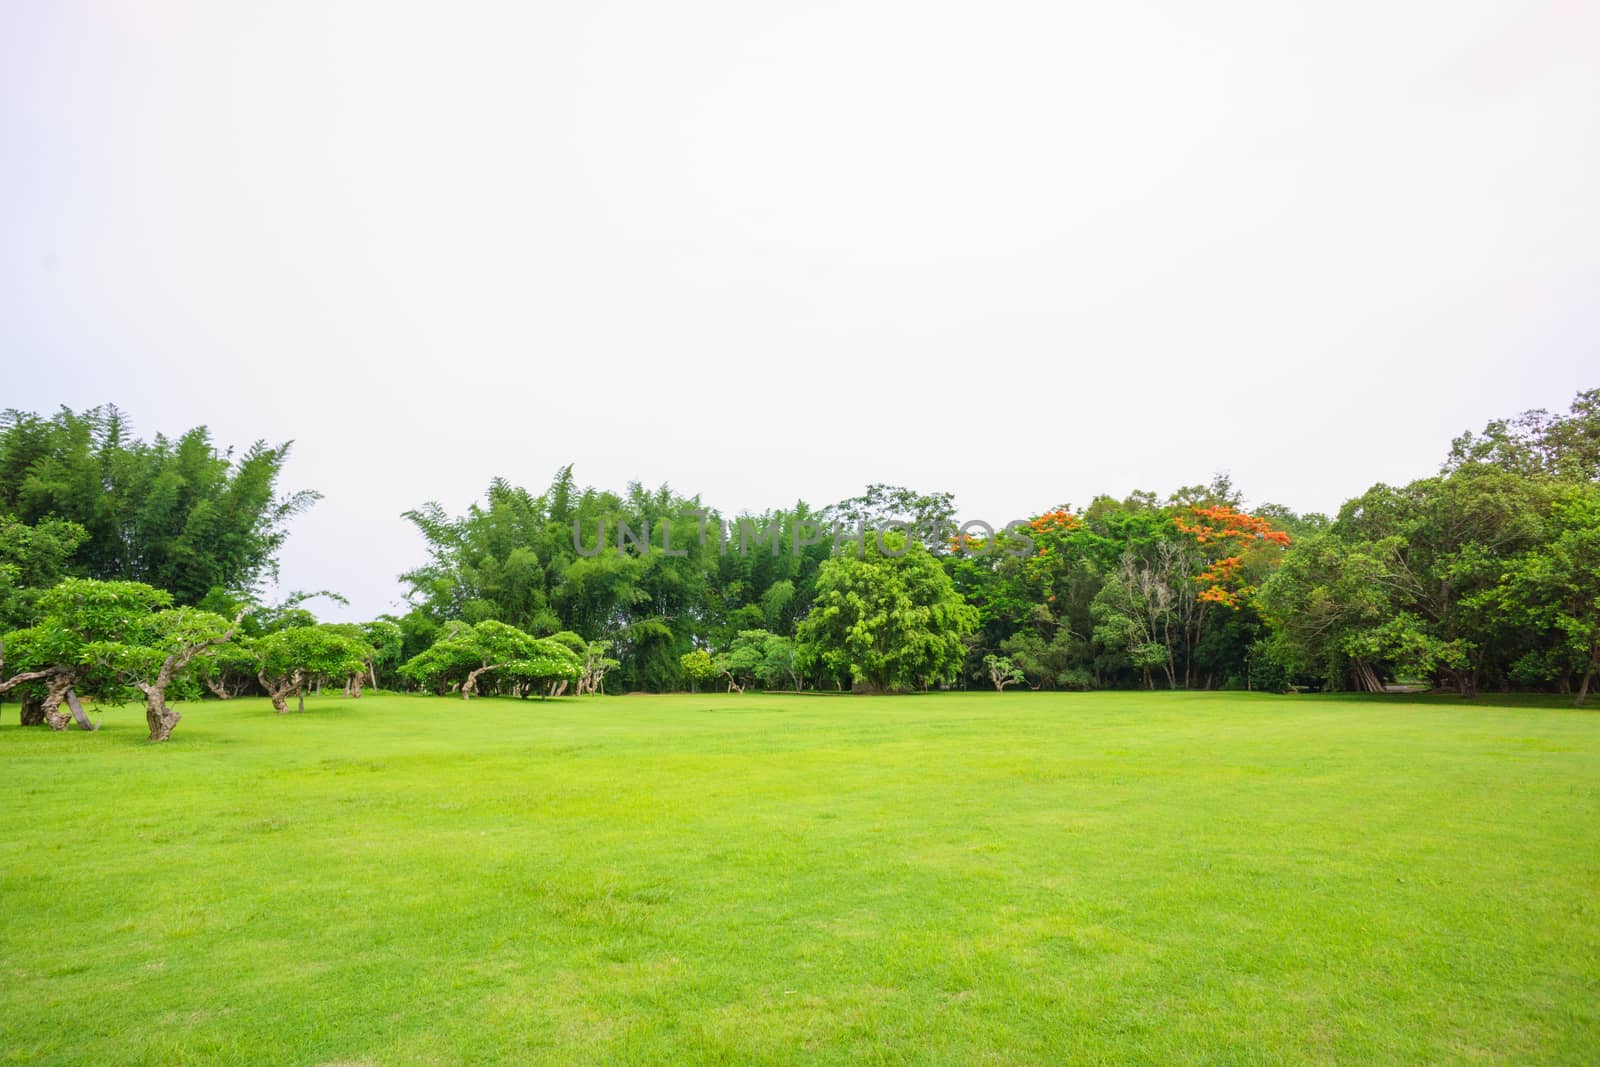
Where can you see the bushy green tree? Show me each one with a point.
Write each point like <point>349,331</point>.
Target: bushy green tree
<point>760,657</point>
<point>890,620</point>
<point>465,654</point>
<point>32,559</point>
<point>1553,588</point>
<point>178,514</point>
<point>295,658</point>
<point>112,639</point>
<point>697,666</point>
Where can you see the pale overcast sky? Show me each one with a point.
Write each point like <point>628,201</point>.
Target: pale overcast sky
<point>1026,252</point>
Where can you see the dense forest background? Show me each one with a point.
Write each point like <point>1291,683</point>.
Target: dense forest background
<point>1483,575</point>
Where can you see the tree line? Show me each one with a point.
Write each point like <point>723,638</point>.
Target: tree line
<point>130,569</point>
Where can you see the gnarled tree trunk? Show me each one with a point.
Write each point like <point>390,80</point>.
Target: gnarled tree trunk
<point>278,693</point>
<point>469,688</point>
<point>33,712</point>
<point>160,718</point>
<point>60,686</point>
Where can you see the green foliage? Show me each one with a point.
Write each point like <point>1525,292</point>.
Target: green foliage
<point>446,662</point>
<point>697,666</point>
<point>1474,578</point>
<point>463,654</point>
<point>228,669</point>
<point>890,623</point>
<point>179,515</point>
<point>1553,590</point>
<point>1002,672</point>
<point>387,641</point>
<point>104,634</point>
<point>759,657</point>
<point>323,651</point>
<point>143,649</point>
<point>1538,444</point>
<point>32,559</point>
<point>1404,583</point>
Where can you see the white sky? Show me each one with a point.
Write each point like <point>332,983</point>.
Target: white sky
<point>1026,252</point>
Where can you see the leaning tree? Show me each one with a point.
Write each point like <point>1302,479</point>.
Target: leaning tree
<point>114,639</point>
<point>465,654</point>
<point>290,660</point>
<point>155,653</point>
<point>43,679</point>
<point>75,618</point>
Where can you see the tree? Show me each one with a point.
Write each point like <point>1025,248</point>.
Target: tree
<point>497,646</point>
<point>1002,672</point>
<point>292,659</point>
<point>465,654</point>
<point>929,518</point>
<point>596,664</point>
<point>1554,587</point>
<point>178,514</point>
<point>1538,443</point>
<point>1145,608</point>
<point>154,653</point>
<point>32,559</point>
<point>37,668</point>
<point>698,667</point>
<point>227,669</point>
<point>888,622</point>
<point>759,657</point>
<point>1049,655</point>
<point>110,638</point>
<point>387,641</point>
<point>1403,581</point>
<point>79,619</point>
<point>546,666</point>
<point>1323,604</point>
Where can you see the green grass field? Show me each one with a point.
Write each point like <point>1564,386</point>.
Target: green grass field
<point>956,878</point>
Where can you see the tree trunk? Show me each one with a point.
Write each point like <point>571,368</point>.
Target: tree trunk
<point>160,718</point>
<point>59,687</point>
<point>1367,679</point>
<point>469,688</point>
<point>355,687</point>
<point>301,692</point>
<point>279,693</point>
<point>1588,676</point>
<point>32,711</point>
<point>218,690</point>
<point>77,713</point>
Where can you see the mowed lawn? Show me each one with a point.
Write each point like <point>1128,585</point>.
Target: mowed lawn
<point>951,878</point>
